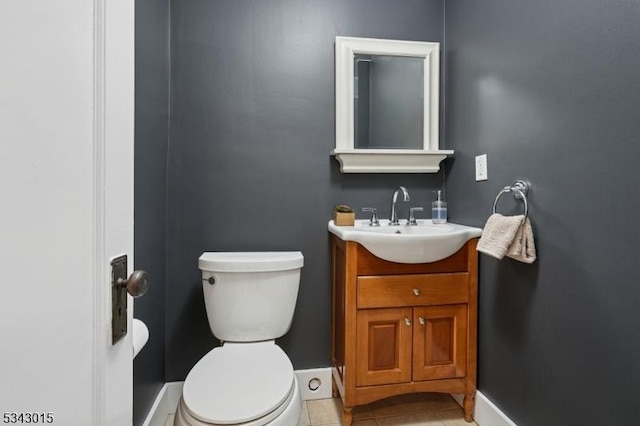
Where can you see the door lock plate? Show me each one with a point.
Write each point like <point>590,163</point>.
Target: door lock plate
<point>118,299</point>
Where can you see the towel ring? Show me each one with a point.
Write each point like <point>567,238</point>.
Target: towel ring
<point>520,189</point>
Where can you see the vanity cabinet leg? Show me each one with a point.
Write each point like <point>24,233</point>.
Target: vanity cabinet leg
<point>347,416</point>
<point>468,404</point>
<point>334,388</point>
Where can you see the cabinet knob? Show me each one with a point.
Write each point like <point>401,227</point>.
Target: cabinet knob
<point>421,321</point>
<point>416,291</point>
<point>407,321</point>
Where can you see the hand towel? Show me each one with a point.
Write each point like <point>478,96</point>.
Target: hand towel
<point>508,235</point>
<point>523,248</point>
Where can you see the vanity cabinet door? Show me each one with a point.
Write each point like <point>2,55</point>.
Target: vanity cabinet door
<point>439,342</point>
<point>383,345</point>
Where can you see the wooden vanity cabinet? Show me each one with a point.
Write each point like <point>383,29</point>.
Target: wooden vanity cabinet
<point>402,328</point>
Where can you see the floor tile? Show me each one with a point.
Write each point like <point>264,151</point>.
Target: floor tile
<point>325,411</point>
<point>427,409</point>
<point>365,422</point>
<point>440,401</point>
<point>401,410</point>
<point>425,418</point>
<point>454,417</point>
<point>399,405</point>
<point>361,412</point>
<point>304,416</point>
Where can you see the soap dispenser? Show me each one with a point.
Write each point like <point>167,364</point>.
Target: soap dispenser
<point>439,210</point>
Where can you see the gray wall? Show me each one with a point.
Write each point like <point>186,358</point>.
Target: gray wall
<point>252,124</point>
<point>151,139</point>
<point>549,90</point>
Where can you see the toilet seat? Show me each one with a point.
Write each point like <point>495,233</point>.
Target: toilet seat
<point>285,415</point>
<point>246,383</point>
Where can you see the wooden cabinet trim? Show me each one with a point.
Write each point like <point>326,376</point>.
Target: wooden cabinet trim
<point>412,290</point>
<point>368,264</point>
<point>350,321</point>
<point>472,332</point>
<point>368,394</point>
<point>338,277</point>
<point>384,346</point>
<point>440,332</point>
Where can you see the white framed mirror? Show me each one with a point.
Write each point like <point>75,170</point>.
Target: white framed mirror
<point>387,106</point>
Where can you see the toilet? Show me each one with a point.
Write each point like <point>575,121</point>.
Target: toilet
<point>250,298</point>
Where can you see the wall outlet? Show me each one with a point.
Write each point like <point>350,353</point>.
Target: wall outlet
<point>481,167</point>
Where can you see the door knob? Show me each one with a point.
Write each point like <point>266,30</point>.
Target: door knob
<point>137,284</point>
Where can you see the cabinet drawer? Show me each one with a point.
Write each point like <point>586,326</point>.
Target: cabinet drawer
<point>412,290</point>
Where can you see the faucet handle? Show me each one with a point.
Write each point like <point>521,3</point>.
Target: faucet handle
<point>374,216</point>
<point>411,220</point>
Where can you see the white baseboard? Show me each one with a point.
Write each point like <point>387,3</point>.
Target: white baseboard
<point>169,396</point>
<point>165,404</point>
<point>485,412</point>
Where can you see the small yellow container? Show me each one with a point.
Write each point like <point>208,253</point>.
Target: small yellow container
<point>344,219</point>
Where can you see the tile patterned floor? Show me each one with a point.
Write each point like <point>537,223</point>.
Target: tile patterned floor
<point>428,409</point>
<point>424,409</point>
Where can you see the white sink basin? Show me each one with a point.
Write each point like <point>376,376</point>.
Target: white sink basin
<point>421,243</point>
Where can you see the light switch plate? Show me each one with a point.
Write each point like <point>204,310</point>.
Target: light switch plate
<point>481,167</point>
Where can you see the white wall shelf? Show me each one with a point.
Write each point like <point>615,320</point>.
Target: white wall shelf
<point>390,160</point>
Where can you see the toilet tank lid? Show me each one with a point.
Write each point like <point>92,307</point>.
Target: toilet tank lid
<point>265,261</point>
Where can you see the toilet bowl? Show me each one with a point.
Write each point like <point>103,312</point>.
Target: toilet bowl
<point>251,384</point>
<point>249,380</point>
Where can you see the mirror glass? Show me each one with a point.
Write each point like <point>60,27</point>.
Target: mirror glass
<point>388,102</point>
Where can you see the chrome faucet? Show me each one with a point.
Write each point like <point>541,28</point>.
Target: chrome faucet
<point>405,197</point>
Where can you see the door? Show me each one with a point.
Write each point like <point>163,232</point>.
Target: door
<point>439,342</point>
<point>66,208</point>
<point>383,345</point>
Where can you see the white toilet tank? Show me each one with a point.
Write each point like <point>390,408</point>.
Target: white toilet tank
<point>250,296</point>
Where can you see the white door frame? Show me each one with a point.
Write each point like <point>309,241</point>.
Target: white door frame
<point>114,43</point>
